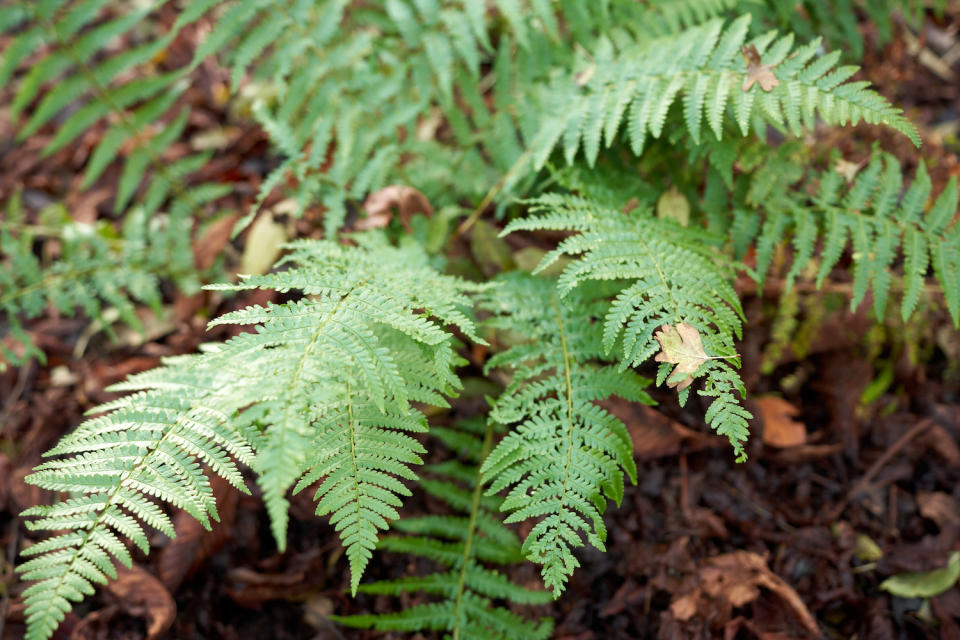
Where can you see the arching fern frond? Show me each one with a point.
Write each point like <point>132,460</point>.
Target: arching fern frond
<point>333,373</point>
<point>462,544</point>
<point>566,455</point>
<point>704,65</point>
<point>877,219</point>
<point>671,275</point>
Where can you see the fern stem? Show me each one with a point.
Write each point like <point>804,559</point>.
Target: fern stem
<point>471,528</point>
<point>569,402</point>
<point>492,193</point>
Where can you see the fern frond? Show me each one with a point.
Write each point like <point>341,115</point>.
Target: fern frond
<point>460,544</point>
<point>671,275</point>
<point>77,68</point>
<point>96,269</point>
<point>566,455</point>
<point>704,64</point>
<point>875,218</point>
<point>334,373</point>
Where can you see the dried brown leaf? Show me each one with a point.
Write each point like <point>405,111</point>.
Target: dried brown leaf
<point>381,204</point>
<point>779,428</point>
<point>654,435</point>
<point>209,245</point>
<point>142,595</point>
<point>732,580</point>
<point>681,345</point>
<point>756,71</point>
<point>194,544</point>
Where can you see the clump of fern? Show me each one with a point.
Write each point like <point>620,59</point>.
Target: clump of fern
<point>462,545</point>
<point>94,267</point>
<point>874,216</point>
<point>459,99</point>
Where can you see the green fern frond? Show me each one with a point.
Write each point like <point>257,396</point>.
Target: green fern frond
<point>704,64</point>
<point>334,373</point>
<point>566,455</point>
<point>670,275</point>
<point>147,449</point>
<point>875,218</point>
<point>78,69</point>
<point>96,268</point>
<point>460,544</point>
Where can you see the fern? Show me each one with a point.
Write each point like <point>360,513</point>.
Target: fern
<point>875,218</point>
<point>460,544</point>
<point>335,372</point>
<point>704,64</point>
<point>566,454</point>
<point>77,81</point>
<point>671,275</point>
<point>95,267</point>
<point>467,101</point>
<point>77,69</point>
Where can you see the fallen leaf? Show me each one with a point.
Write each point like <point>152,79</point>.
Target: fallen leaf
<point>194,544</point>
<point>317,611</point>
<point>263,245</point>
<point>924,584</point>
<point>251,588</point>
<point>673,205</point>
<point>682,346</point>
<point>379,206</point>
<point>779,428</point>
<point>654,435</point>
<point>866,550</point>
<point>732,580</point>
<point>847,169</point>
<point>757,72</point>
<point>142,595</point>
<point>215,138</point>
<point>940,507</point>
<point>942,443</point>
<point>215,237</point>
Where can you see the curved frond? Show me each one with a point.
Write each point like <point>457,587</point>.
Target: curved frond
<point>322,389</point>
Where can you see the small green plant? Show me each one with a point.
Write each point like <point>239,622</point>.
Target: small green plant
<point>636,132</point>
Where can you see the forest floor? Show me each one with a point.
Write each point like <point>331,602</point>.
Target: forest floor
<point>838,495</point>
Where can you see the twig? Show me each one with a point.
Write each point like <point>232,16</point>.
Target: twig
<point>491,194</point>
<point>875,468</point>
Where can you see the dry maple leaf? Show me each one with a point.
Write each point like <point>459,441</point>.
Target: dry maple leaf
<point>756,71</point>
<point>682,346</point>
